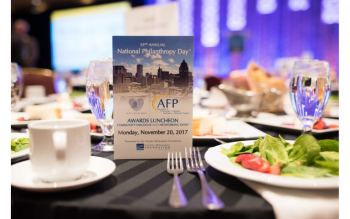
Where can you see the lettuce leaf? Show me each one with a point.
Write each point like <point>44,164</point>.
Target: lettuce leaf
<point>23,141</point>
<point>249,149</point>
<point>305,171</point>
<point>233,160</point>
<point>329,145</point>
<point>21,147</point>
<point>330,155</point>
<point>327,164</point>
<point>273,150</point>
<point>233,150</point>
<point>305,150</point>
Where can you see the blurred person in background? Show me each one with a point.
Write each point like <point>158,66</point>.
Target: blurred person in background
<point>24,48</point>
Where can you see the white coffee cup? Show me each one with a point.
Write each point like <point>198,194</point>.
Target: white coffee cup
<point>60,150</point>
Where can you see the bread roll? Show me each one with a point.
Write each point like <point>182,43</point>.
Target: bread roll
<point>43,113</point>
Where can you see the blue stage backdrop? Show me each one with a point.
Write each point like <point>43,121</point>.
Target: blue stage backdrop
<point>259,30</point>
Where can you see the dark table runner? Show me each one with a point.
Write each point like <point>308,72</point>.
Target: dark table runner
<point>140,189</point>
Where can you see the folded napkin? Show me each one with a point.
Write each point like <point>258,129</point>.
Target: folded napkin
<point>299,203</point>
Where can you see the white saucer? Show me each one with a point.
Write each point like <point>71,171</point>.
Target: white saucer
<point>23,177</point>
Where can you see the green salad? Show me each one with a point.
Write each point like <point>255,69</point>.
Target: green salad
<point>19,144</point>
<point>307,157</point>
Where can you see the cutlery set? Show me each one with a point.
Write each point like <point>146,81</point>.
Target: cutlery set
<point>177,198</point>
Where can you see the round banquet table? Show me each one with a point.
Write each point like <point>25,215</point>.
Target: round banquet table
<point>141,188</point>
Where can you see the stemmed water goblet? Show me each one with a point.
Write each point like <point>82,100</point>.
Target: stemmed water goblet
<point>309,89</point>
<point>16,84</point>
<point>99,91</point>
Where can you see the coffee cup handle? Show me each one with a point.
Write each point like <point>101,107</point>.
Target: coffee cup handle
<point>60,145</point>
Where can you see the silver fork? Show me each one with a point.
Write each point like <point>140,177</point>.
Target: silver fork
<point>209,199</point>
<point>177,198</point>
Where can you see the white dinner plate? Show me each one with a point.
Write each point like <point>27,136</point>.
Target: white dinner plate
<point>294,124</point>
<point>236,130</point>
<point>66,114</point>
<point>23,177</point>
<point>23,152</point>
<point>222,163</point>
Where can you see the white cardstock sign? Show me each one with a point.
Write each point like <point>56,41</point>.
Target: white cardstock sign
<point>155,20</point>
<point>152,95</point>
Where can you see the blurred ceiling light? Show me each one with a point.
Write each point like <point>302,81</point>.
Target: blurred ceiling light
<point>299,5</point>
<point>86,2</point>
<point>236,15</point>
<point>160,2</point>
<point>210,31</point>
<point>266,6</point>
<point>40,8</point>
<point>186,17</point>
<point>330,11</point>
<point>36,2</point>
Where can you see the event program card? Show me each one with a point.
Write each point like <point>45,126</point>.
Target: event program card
<point>152,91</point>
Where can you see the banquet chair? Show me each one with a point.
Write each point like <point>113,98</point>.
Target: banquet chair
<point>39,76</point>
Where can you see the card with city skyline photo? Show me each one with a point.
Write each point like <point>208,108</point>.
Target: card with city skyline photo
<point>152,88</point>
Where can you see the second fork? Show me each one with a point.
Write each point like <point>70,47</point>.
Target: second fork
<point>209,199</point>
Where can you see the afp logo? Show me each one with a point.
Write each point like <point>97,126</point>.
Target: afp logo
<point>163,103</point>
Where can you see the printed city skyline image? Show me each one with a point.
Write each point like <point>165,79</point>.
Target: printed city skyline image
<point>143,64</point>
<point>151,61</point>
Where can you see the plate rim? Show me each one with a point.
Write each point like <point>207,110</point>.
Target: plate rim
<point>68,187</point>
<point>254,120</point>
<point>24,123</point>
<point>268,179</point>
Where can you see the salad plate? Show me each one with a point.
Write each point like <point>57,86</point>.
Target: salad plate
<point>24,178</point>
<point>222,163</point>
<point>22,153</point>
<point>292,123</point>
<point>66,114</point>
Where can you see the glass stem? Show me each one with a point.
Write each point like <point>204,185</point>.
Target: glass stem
<point>108,139</point>
<point>307,129</point>
<point>107,128</point>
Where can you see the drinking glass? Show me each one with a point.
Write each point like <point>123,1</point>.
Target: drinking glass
<point>309,89</point>
<point>16,84</point>
<point>99,91</point>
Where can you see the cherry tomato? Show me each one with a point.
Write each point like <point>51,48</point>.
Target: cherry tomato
<point>92,126</point>
<point>20,119</point>
<point>319,125</point>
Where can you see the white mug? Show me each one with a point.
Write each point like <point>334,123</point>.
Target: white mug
<point>60,150</point>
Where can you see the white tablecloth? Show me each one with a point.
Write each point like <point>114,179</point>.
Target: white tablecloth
<point>299,203</point>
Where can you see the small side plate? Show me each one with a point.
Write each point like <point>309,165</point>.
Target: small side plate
<point>23,177</point>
